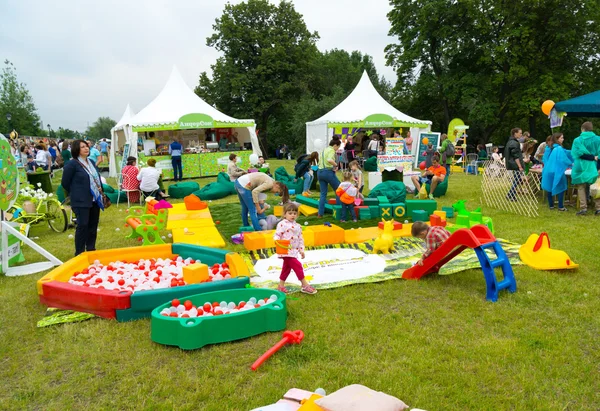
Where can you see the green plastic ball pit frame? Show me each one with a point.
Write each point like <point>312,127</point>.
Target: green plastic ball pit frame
<point>194,333</point>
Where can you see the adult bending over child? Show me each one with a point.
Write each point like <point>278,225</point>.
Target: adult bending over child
<point>249,187</point>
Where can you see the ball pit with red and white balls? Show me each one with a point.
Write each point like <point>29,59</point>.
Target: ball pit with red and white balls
<point>144,274</point>
<point>208,309</point>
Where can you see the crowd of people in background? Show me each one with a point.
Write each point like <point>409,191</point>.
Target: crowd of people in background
<point>54,154</point>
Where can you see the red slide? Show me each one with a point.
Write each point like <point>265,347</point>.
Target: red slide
<point>461,239</point>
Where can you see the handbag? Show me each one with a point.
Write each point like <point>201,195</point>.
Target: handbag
<point>105,200</point>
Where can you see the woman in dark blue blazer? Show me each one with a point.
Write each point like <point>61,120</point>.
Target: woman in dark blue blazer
<point>81,180</point>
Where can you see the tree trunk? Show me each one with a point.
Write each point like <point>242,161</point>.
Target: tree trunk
<point>263,134</point>
<point>532,125</point>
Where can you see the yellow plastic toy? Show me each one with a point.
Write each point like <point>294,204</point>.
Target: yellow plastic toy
<point>536,253</point>
<point>385,241</point>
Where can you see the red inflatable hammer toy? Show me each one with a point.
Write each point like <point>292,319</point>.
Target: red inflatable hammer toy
<point>289,337</point>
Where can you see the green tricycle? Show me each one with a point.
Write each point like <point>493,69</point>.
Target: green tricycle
<point>48,210</point>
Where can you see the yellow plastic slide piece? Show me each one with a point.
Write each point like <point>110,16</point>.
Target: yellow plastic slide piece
<point>204,236</point>
<point>536,253</point>
<point>237,265</point>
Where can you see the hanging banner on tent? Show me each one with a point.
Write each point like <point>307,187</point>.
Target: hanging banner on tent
<point>194,121</point>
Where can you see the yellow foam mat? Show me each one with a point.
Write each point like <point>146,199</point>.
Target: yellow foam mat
<point>204,236</point>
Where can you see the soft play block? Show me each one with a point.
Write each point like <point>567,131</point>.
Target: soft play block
<point>195,273</point>
<point>308,210</point>
<point>462,220</point>
<point>360,235</point>
<point>419,215</point>
<point>399,210</point>
<point>202,236</point>
<point>375,212</point>
<point>436,220</point>
<point>331,201</point>
<point>442,214</point>
<point>449,211</point>
<point>428,206</point>
<point>278,211</point>
<point>258,240</point>
<point>337,212</point>
<point>476,218</point>
<point>382,199</point>
<point>325,235</point>
<point>246,228</point>
<point>397,225</point>
<point>237,265</point>
<point>371,201</point>
<point>386,211</point>
<point>313,203</point>
<point>364,213</point>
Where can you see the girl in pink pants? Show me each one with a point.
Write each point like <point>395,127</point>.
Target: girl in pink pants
<point>289,229</point>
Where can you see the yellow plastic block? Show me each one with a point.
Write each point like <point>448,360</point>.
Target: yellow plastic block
<point>404,231</point>
<point>195,273</point>
<point>442,214</point>
<point>361,234</point>
<point>278,211</point>
<point>308,210</point>
<point>237,265</point>
<point>325,235</point>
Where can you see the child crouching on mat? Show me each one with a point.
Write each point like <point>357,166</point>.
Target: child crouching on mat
<point>289,229</point>
<point>434,237</point>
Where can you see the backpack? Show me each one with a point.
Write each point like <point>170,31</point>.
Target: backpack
<point>449,149</point>
<point>299,162</point>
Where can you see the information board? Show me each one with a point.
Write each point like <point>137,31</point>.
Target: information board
<point>423,141</point>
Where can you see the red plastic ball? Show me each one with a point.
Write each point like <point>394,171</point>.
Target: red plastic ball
<point>175,302</point>
<point>188,305</point>
<point>173,314</point>
<point>207,307</point>
<point>121,282</point>
<point>422,165</point>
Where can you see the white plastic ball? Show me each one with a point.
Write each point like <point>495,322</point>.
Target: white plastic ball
<point>306,223</point>
<point>70,235</point>
<point>320,391</point>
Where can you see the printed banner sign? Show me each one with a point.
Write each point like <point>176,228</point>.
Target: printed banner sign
<point>394,146</point>
<point>405,161</point>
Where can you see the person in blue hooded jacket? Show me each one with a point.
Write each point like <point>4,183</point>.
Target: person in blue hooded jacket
<point>556,161</point>
<point>585,151</point>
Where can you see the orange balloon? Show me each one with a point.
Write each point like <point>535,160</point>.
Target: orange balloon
<point>425,141</point>
<point>547,107</point>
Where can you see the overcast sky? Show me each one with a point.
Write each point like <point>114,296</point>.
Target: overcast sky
<point>84,59</point>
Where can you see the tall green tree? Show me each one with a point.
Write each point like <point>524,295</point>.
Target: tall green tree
<point>267,50</point>
<point>492,63</point>
<point>100,128</point>
<point>16,101</point>
<point>67,134</point>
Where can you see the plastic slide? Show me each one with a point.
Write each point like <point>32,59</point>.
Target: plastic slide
<point>479,238</point>
<point>536,253</point>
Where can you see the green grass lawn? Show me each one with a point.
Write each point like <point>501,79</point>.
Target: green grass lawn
<point>436,343</point>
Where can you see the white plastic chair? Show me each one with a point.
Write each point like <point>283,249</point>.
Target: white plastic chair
<point>126,180</point>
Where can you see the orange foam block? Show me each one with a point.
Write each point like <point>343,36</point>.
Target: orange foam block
<point>195,273</point>
<point>256,240</point>
<point>360,235</point>
<point>317,235</point>
<point>436,220</point>
<point>397,225</point>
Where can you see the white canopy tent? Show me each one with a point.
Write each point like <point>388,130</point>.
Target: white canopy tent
<point>121,133</point>
<point>364,108</point>
<point>177,107</point>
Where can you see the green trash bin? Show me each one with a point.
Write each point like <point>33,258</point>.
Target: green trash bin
<point>43,178</point>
